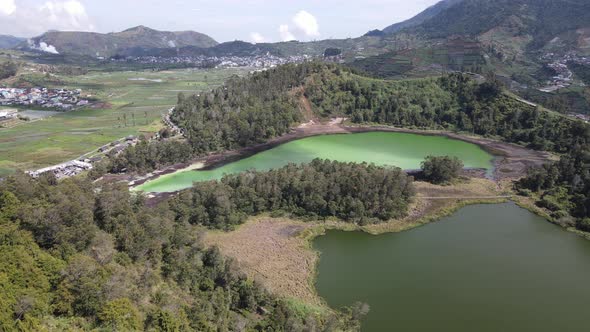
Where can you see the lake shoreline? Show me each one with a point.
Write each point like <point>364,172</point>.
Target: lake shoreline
<point>289,242</point>
<point>510,160</point>
<point>503,247</point>
<point>266,232</point>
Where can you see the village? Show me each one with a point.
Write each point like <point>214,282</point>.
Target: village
<point>67,169</point>
<point>86,162</point>
<point>559,64</point>
<point>57,99</point>
<point>201,61</point>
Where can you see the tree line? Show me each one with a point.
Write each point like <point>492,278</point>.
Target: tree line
<point>78,255</point>
<point>8,69</point>
<point>356,193</point>
<point>244,111</point>
<point>563,188</point>
<point>452,102</point>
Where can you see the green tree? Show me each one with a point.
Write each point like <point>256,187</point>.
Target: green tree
<point>9,205</point>
<point>120,315</point>
<point>440,170</point>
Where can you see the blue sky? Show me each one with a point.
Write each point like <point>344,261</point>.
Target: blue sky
<point>224,20</point>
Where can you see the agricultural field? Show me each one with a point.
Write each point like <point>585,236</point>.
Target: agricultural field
<point>124,103</point>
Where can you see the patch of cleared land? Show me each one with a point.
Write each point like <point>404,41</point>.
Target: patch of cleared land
<point>127,106</point>
<point>277,252</point>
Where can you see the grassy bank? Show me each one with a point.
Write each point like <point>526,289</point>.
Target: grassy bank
<point>529,203</point>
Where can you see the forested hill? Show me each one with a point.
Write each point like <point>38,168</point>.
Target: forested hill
<point>541,20</point>
<point>265,105</point>
<point>81,256</point>
<point>252,110</point>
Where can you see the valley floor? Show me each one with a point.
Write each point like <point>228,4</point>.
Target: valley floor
<point>128,103</point>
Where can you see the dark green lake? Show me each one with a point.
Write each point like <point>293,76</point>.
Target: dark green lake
<point>485,268</point>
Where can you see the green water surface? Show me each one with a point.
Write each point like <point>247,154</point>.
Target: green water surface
<point>487,268</point>
<point>403,150</point>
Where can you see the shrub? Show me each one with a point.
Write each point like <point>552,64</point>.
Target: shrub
<point>120,315</point>
<point>440,170</point>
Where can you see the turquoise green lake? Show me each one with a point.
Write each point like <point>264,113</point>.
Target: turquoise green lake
<point>403,150</point>
<point>487,268</point>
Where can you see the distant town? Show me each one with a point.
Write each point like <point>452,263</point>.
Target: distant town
<point>57,99</point>
<point>261,61</point>
<point>559,64</point>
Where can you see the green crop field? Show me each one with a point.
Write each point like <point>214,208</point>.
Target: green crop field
<point>132,103</point>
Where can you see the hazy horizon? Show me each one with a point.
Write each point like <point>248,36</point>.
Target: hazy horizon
<point>224,20</point>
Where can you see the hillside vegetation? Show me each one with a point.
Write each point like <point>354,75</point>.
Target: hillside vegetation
<point>452,102</point>
<point>75,256</point>
<point>252,110</point>
<point>563,188</point>
<point>541,19</point>
<point>356,193</point>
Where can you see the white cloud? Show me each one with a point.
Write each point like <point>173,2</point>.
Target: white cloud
<point>306,23</point>
<point>286,35</point>
<point>70,14</point>
<point>305,26</point>
<point>33,19</point>
<point>256,38</point>
<point>7,7</point>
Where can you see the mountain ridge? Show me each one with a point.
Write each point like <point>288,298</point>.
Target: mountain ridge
<point>421,17</point>
<point>108,44</point>
<point>8,41</point>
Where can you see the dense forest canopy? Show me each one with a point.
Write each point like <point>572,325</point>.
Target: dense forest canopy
<point>563,188</point>
<point>452,102</point>
<point>8,69</point>
<point>244,111</point>
<point>75,255</point>
<point>356,193</point>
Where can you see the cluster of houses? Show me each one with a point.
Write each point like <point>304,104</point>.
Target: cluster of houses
<point>259,61</point>
<point>68,169</point>
<point>559,64</point>
<point>85,163</point>
<point>58,99</point>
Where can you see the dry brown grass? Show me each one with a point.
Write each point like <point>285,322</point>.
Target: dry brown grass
<point>271,252</point>
<point>277,252</point>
